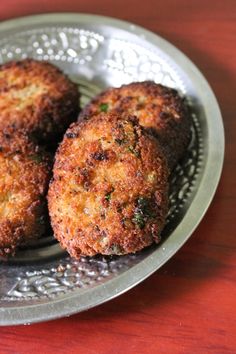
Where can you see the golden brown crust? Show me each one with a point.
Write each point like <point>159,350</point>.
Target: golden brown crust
<point>159,109</point>
<point>24,178</point>
<point>37,97</point>
<point>109,188</point>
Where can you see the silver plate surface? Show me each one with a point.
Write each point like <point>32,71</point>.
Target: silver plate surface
<point>42,282</point>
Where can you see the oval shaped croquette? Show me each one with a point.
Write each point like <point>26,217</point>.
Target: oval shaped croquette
<point>159,109</point>
<point>109,192</point>
<point>24,178</point>
<point>37,97</point>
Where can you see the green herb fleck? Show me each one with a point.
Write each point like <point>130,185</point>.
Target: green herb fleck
<point>36,158</point>
<point>133,151</point>
<point>104,107</point>
<point>108,195</point>
<point>142,212</point>
<point>120,141</point>
<point>142,202</point>
<point>115,249</point>
<point>139,219</point>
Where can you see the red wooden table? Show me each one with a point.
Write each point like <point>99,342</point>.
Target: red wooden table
<point>189,305</point>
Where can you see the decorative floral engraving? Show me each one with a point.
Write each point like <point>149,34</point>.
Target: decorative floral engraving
<point>55,44</point>
<point>184,176</point>
<point>131,62</point>
<point>68,275</point>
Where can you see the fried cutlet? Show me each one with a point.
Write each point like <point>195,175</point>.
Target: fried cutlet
<point>159,109</point>
<point>24,178</point>
<point>109,192</point>
<point>37,97</point>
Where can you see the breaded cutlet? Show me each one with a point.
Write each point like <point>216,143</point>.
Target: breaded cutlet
<point>109,192</point>
<point>24,178</point>
<point>159,109</point>
<point>37,97</point>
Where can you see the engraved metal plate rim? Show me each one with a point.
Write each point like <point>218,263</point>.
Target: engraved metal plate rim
<point>72,302</point>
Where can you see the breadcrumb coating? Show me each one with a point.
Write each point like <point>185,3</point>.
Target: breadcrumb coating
<point>109,193</point>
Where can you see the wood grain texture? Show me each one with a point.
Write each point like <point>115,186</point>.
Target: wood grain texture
<point>189,305</point>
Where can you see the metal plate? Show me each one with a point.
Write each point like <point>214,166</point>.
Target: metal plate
<point>42,282</point>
